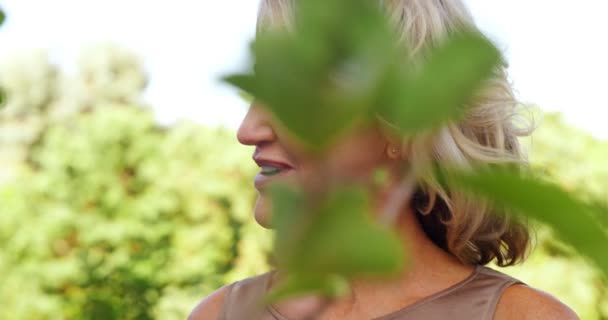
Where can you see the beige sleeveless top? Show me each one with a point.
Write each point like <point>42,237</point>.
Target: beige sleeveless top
<point>473,298</point>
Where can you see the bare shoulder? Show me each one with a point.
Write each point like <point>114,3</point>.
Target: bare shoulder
<point>522,302</point>
<point>210,307</point>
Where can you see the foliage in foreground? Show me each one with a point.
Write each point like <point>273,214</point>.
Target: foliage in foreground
<point>341,65</point>
<point>110,216</point>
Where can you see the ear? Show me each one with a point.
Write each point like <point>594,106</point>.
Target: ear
<point>393,151</point>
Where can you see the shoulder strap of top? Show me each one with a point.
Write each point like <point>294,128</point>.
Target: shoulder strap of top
<point>496,284</point>
<point>243,298</point>
<point>474,298</point>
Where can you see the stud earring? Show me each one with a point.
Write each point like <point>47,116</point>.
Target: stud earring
<point>393,152</point>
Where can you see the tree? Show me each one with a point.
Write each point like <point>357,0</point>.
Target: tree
<point>116,217</point>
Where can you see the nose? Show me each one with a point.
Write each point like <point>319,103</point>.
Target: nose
<point>256,128</point>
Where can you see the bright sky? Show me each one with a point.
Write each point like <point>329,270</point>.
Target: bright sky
<point>558,49</point>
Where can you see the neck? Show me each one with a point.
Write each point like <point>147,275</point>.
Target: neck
<point>425,255</point>
<point>430,269</point>
<point>427,263</point>
<point>425,258</point>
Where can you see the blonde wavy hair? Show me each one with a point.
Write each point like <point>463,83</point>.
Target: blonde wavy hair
<point>468,228</point>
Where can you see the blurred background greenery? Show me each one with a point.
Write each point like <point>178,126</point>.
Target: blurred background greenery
<point>106,215</point>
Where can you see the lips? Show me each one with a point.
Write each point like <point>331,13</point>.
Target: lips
<point>271,163</point>
<point>270,170</point>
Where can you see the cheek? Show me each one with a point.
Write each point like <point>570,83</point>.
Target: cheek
<point>354,157</point>
<point>358,157</point>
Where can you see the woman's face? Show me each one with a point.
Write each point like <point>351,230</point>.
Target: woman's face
<point>354,157</point>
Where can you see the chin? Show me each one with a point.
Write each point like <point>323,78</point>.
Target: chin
<point>262,212</point>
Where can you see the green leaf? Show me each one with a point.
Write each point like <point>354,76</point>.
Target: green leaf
<point>290,221</point>
<point>297,285</point>
<point>245,82</point>
<point>573,220</point>
<point>323,77</point>
<point>439,91</point>
<point>247,98</point>
<point>2,16</point>
<point>335,236</point>
<point>345,220</point>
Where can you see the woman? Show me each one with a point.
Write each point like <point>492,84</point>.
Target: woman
<point>449,237</point>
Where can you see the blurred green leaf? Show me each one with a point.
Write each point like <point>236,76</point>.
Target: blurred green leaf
<point>325,240</point>
<point>322,77</point>
<point>573,220</point>
<point>247,98</point>
<point>2,16</point>
<point>297,285</point>
<point>336,69</point>
<point>439,91</point>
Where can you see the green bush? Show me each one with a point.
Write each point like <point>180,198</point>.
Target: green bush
<point>106,215</point>
<point>120,219</point>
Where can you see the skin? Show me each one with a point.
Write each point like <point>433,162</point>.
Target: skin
<point>431,270</point>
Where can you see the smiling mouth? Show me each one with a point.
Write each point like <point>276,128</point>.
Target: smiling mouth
<point>270,170</point>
